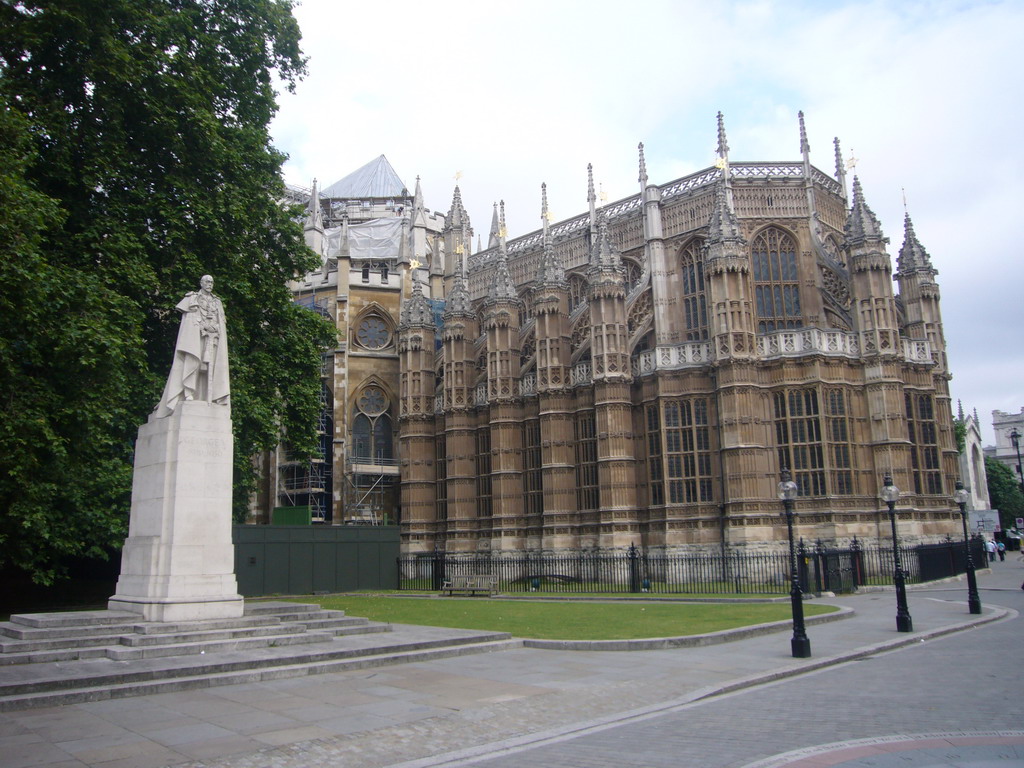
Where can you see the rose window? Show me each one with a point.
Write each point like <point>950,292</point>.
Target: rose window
<point>372,333</point>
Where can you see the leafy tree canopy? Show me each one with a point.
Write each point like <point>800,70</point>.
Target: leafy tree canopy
<point>1004,492</point>
<point>135,157</point>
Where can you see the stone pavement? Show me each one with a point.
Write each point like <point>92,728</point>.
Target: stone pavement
<point>731,704</point>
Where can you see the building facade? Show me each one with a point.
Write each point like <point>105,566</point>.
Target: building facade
<point>641,373</point>
<point>1004,425</point>
<point>374,237</point>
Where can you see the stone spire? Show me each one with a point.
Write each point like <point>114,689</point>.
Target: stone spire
<point>551,270</point>
<point>419,211</point>
<point>724,226</point>
<point>840,168</point>
<point>723,144</point>
<point>603,256</point>
<point>416,309</point>
<point>457,213</point>
<point>313,230</point>
<point>805,147</point>
<point>502,287</point>
<point>492,239</point>
<point>862,224</point>
<point>458,302</point>
<point>591,199</point>
<point>643,167</point>
<point>314,215</point>
<point>913,257</point>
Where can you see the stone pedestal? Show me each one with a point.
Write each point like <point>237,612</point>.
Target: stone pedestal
<point>178,562</point>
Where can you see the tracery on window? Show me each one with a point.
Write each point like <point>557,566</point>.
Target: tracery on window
<point>798,438</point>
<point>695,311</point>
<point>687,450</point>
<point>577,291</point>
<point>372,436</point>
<point>924,448</point>
<point>585,434</point>
<point>776,281</point>
<point>373,332</point>
<point>483,472</point>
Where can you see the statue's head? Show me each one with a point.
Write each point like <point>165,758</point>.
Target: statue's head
<point>206,282</point>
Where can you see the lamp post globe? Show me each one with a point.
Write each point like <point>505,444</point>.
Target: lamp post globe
<point>961,497</point>
<point>890,495</point>
<point>800,644</point>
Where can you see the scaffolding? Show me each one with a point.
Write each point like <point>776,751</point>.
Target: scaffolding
<point>309,482</point>
<point>369,482</point>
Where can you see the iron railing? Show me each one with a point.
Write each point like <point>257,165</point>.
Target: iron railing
<point>822,569</point>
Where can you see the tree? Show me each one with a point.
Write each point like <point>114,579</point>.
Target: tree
<point>1004,492</point>
<point>136,158</point>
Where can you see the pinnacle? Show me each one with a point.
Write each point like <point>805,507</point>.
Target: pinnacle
<point>862,224</point>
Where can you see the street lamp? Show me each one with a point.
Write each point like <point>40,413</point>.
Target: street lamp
<point>1015,439</point>
<point>890,495</point>
<point>800,644</point>
<point>973,601</point>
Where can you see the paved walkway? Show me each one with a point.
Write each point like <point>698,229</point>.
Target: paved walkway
<point>734,704</point>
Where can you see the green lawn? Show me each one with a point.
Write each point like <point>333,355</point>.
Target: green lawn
<point>566,620</point>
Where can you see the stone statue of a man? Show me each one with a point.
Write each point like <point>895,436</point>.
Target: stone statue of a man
<point>200,367</point>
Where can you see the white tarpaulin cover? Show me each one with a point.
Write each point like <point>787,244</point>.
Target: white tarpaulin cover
<point>376,239</point>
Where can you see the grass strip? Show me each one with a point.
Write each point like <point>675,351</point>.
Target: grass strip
<point>565,620</point>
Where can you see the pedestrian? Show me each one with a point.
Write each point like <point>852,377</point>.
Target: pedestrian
<point>990,547</point>
<point>1001,549</point>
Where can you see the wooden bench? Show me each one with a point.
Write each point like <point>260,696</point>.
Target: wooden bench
<point>471,584</point>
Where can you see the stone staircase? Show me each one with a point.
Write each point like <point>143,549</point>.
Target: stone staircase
<point>60,658</point>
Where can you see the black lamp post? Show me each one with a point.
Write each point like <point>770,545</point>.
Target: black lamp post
<point>800,644</point>
<point>973,601</point>
<point>890,495</point>
<point>1015,439</point>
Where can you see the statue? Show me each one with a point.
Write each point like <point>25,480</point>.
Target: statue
<point>200,367</point>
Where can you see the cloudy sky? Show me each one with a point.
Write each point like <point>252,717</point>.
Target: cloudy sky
<point>926,95</point>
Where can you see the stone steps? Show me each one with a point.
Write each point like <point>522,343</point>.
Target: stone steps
<point>95,684</point>
<point>120,636</point>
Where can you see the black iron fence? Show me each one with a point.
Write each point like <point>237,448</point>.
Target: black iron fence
<point>736,572</point>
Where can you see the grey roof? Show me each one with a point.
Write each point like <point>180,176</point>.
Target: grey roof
<point>375,179</point>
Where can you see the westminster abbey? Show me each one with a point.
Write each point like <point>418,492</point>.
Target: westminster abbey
<point>639,374</point>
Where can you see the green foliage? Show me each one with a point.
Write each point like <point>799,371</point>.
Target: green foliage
<point>1004,492</point>
<point>960,433</point>
<point>567,620</point>
<point>135,157</point>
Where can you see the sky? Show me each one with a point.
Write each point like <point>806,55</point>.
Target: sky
<point>926,95</point>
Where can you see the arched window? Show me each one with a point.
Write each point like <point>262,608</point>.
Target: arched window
<point>695,310</point>
<point>371,428</point>
<point>577,291</point>
<point>776,281</point>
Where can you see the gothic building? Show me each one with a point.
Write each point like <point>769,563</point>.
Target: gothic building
<point>372,235</point>
<point>642,372</point>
